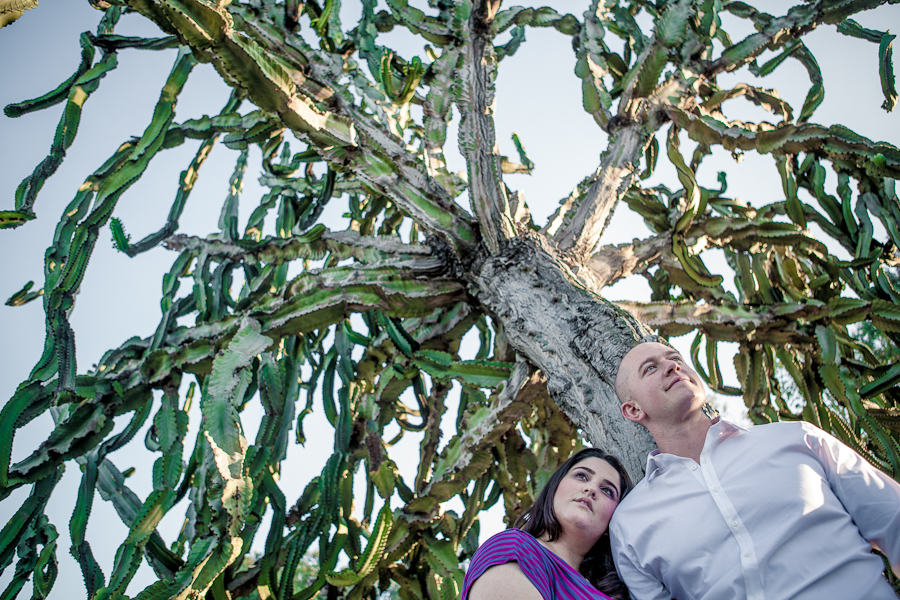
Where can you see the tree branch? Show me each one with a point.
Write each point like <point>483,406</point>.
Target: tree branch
<point>487,423</point>
<point>776,324</point>
<point>345,136</point>
<point>833,142</point>
<point>776,32</point>
<point>477,138</point>
<point>618,166</point>
<point>407,288</point>
<point>613,263</point>
<point>640,114</point>
<point>340,244</point>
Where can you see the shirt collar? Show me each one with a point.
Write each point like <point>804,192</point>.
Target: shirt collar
<point>657,461</point>
<point>722,427</point>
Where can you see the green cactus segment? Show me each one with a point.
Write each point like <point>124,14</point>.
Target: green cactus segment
<point>885,57</point>
<point>81,550</point>
<point>817,91</point>
<point>671,26</point>
<point>67,261</point>
<point>225,388</point>
<point>372,555</point>
<point>441,366</point>
<point>693,265</point>
<point>694,202</point>
<point>545,16</point>
<point>885,381</point>
<point>594,62</point>
<point>886,71</point>
<point>37,560</point>
<point>645,74</point>
<point>186,180</point>
<point>375,331</point>
<point>669,32</point>
<point>75,91</point>
<point>10,219</point>
<point>792,204</point>
<point>26,517</point>
<point>766,99</point>
<point>832,142</point>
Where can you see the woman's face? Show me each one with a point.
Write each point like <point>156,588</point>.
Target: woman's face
<point>586,498</point>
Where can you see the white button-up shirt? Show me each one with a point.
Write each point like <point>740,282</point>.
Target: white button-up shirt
<point>772,511</point>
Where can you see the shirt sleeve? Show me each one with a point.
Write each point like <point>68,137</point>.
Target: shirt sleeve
<point>642,585</point>
<point>871,498</point>
<point>510,545</point>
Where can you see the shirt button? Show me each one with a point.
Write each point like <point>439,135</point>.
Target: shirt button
<point>748,554</point>
<point>734,523</point>
<point>693,467</point>
<point>715,489</point>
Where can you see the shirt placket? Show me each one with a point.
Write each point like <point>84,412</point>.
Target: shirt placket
<point>749,562</point>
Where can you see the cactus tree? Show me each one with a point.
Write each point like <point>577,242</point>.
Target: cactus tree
<point>365,323</point>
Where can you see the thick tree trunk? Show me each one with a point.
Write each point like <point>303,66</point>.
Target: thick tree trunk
<point>574,336</point>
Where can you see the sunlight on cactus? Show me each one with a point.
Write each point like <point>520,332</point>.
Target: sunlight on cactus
<point>366,324</point>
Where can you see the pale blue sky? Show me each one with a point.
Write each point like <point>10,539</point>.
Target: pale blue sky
<point>538,97</point>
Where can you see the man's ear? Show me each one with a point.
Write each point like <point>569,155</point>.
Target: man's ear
<point>632,411</point>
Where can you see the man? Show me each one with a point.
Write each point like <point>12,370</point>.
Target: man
<point>772,511</point>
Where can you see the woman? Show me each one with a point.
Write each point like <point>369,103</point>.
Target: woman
<point>560,547</point>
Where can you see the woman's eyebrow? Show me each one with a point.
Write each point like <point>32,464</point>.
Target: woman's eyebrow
<point>612,485</point>
<point>589,470</point>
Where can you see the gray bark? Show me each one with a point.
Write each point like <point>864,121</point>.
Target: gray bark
<point>575,337</point>
<point>618,166</point>
<point>549,313</point>
<point>613,263</point>
<point>477,137</point>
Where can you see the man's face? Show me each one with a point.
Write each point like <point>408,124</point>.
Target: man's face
<point>655,385</point>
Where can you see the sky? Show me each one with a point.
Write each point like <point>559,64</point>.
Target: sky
<point>538,97</point>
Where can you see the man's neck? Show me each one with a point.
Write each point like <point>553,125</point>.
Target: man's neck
<point>684,439</point>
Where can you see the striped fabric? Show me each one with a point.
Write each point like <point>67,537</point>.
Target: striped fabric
<point>550,574</point>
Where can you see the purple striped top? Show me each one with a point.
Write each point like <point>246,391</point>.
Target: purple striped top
<point>551,575</point>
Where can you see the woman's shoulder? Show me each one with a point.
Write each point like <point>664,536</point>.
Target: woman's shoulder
<point>509,542</point>
<point>510,562</point>
<point>502,582</point>
<point>521,558</point>
<point>510,535</point>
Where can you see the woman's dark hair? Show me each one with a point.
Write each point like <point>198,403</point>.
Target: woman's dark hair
<point>540,520</point>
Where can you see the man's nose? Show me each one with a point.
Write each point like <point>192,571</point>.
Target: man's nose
<point>672,365</point>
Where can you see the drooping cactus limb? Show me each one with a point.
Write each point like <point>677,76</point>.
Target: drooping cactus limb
<point>479,340</point>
